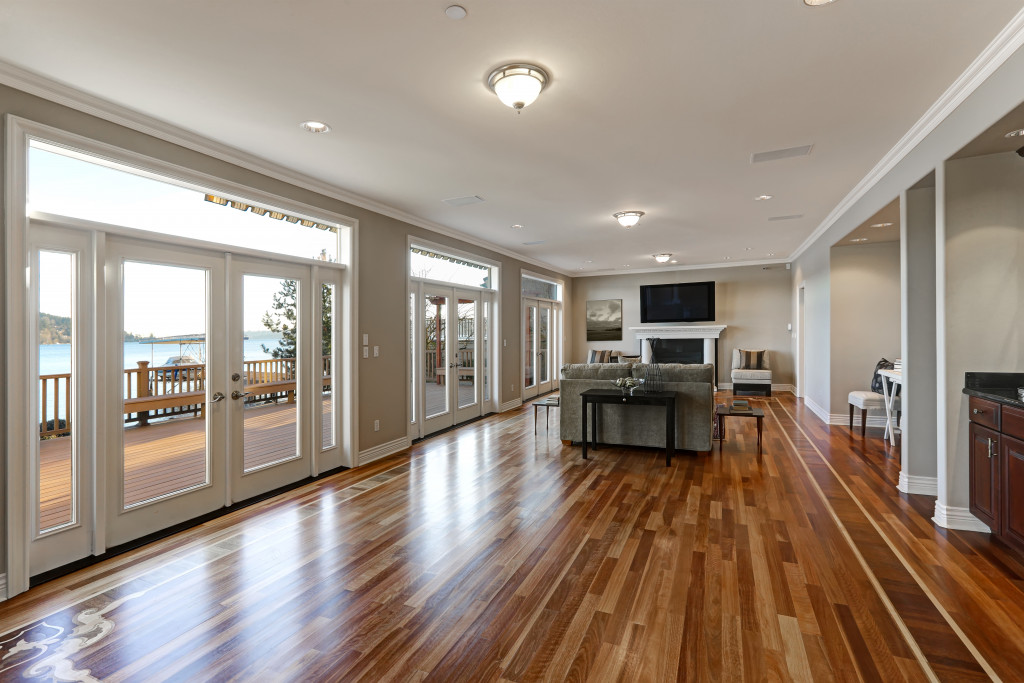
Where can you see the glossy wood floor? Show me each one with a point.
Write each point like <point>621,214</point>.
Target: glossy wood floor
<point>491,553</point>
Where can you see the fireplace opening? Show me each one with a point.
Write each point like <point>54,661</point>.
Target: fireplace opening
<point>677,350</point>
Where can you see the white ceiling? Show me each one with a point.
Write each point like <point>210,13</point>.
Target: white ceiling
<point>654,105</point>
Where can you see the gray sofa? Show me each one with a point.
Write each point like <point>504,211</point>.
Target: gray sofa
<point>640,425</point>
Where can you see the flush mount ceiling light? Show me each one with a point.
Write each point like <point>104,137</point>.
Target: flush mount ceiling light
<point>818,3</point>
<point>517,85</point>
<point>517,226</point>
<point>628,219</point>
<point>455,12</point>
<point>881,225</point>
<point>662,258</point>
<point>315,126</point>
<point>763,197</point>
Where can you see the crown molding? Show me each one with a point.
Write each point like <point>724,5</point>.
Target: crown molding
<point>703,266</point>
<point>1002,47</point>
<point>60,93</point>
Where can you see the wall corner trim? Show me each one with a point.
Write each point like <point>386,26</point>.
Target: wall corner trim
<point>383,450</point>
<point>960,519</point>
<point>817,410</point>
<point>3,587</point>
<point>923,486</point>
<point>510,405</point>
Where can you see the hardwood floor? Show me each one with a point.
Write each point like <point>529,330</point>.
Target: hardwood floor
<point>492,553</point>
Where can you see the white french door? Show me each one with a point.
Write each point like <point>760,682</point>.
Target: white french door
<point>169,410</point>
<point>450,370</point>
<point>541,334</point>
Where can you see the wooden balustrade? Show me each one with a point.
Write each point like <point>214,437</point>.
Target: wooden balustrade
<point>168,391</point>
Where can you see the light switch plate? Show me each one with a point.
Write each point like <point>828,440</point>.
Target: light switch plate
<point>366,352</point>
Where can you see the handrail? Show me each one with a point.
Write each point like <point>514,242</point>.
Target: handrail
<point>164,382</point>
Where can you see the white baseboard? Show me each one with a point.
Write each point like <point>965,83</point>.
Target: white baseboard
<point>817,410</point>
<point>383,450</point>
<point>958,518</point>
<point>510,405</point>
<point>924,486</point>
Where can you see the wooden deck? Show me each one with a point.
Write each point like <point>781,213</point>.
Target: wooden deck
<point>167,456</point>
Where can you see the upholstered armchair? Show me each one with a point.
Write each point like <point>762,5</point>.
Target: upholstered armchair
<point>751,371</point>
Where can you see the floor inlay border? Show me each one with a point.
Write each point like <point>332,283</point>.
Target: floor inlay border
<point>989,670</point>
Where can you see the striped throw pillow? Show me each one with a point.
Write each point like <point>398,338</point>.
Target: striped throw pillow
<point>602,357</point>
<point>751,360</point>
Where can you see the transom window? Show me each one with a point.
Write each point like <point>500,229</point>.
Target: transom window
<point>541,289</point>
<point>431,264</point>
<point>70,183</point>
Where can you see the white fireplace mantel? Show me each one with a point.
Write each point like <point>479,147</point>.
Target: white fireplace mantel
<point>709,333</point>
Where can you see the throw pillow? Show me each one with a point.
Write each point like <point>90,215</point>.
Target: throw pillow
<point>601,356</point>
<point>876,380</point>
<point>751,360</point>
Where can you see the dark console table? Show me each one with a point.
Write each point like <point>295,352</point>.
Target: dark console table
<point>593,397</point>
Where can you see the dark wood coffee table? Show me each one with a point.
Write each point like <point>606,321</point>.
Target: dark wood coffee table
<point>723,411</point>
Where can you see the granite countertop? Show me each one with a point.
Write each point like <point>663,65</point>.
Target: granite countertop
<point>1000,387</point>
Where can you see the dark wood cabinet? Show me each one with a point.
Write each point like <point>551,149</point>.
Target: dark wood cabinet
<point>985,475</point>
<point>997,468</point>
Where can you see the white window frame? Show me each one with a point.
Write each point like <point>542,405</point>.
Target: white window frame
<point>19,132</point>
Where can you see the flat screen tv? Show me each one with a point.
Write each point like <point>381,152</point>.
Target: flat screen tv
<point>685,302</point>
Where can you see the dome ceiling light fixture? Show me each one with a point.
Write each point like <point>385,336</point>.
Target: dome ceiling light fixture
<point>518,85</point>
<point>628,219</point>
<point>818,3</point>
<point>662,258</point>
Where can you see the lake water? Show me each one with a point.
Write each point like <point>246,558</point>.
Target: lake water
<point>56,358</point>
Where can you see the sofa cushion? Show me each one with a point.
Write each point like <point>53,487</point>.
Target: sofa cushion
<point>595,370</point>
<point>678,372</point>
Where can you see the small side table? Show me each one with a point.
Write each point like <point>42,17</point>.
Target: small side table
<point>723,411</point>
<point>547,404</point>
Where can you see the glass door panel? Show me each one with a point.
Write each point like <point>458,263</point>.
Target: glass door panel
<point>466,355</point>
<point>327,403</point>
<point>543,346</point>
<point>270,413</point>
<point>435,376</point>
<point>165,447</point>
<point>529,350</point>
<point>57,461</point>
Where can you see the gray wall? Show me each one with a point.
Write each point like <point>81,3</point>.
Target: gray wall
<point>984,293</point>
<point>811,273</point>
<point>865,318</point>
<point>752,301</point>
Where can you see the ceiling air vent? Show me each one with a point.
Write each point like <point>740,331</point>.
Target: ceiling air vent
<point>791,217</point>
<point>463,201</point>
<point>776,154</point>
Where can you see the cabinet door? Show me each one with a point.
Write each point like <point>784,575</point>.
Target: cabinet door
<point>985,475</point>
<point>1012,455</point>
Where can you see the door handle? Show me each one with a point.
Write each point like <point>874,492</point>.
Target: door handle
<point>236,394</point>
<point>217,398</point>
<point>990,447</point>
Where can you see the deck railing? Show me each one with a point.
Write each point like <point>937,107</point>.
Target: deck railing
<point>169,391</point>
<point>464,357</point>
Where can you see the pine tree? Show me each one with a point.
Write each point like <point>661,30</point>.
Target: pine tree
<point>282,320</point>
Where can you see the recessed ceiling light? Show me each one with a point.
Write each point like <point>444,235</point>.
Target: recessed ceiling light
<point>673,261</point>
<point>1015,133</point>
<point>455,12</point>
<point>517,226</point>
<point>727,258</point>
<point>315,126</point>
<point>662,258</point>
<point>771,253</point>
<point>589,261</point>
<point>748,249</point>
<point>763,197</point>
<point>882,225</point>
<point>818,3</point>
<point>625,265</point>
<point>579,267</point>
<point>859,239</point>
